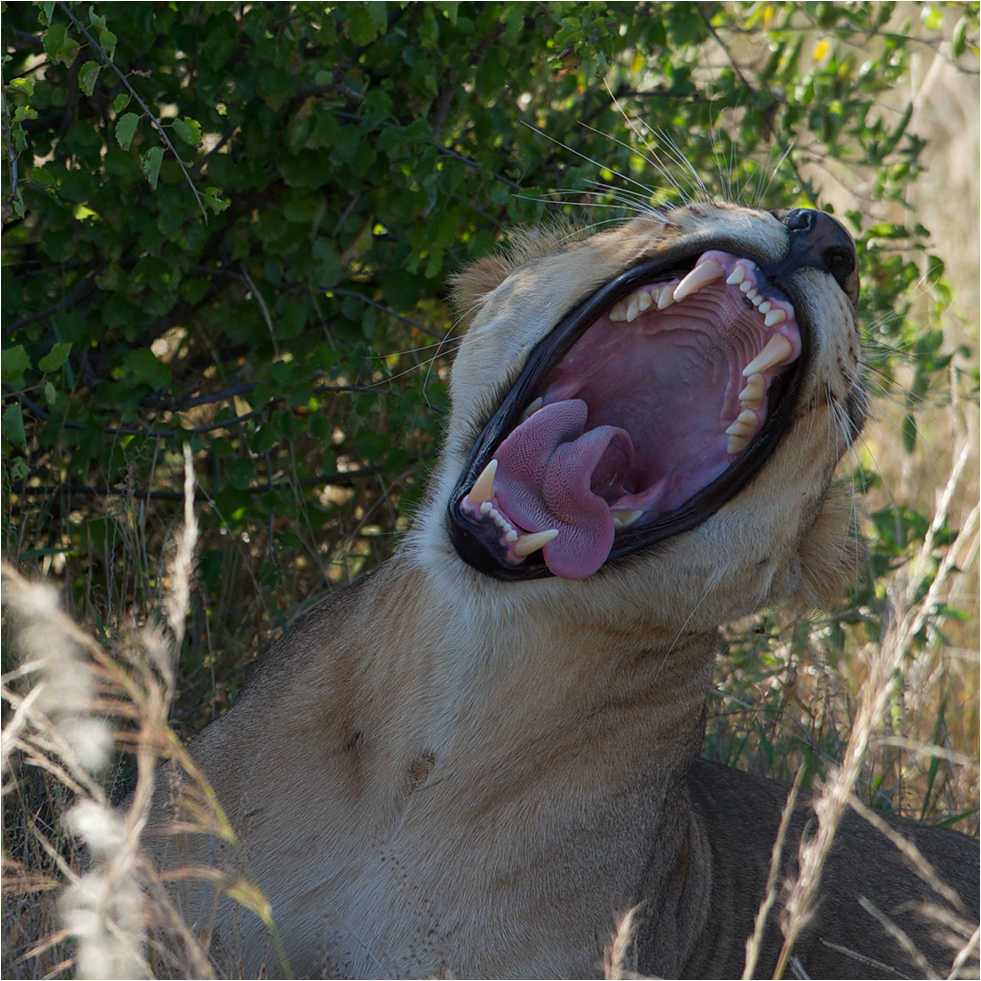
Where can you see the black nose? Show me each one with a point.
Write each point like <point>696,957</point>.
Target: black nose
<point>817,239</point>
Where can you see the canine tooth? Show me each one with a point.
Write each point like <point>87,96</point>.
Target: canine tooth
<point>774,317</point>
<point>737,275</point>
<point>533,407</point>
<point>526,544</point>
<point>736,444</point>
<point>483,486</point>
<point>777,348</point>
<point>705,272</point>
<point>618,313</point>
<point>624,519</point>
<point>752,395</point>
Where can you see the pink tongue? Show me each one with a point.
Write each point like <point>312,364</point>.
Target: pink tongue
<point>550,475</point>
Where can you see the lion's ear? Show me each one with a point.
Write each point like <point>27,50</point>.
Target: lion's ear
<point>469,287</point>
<point>832,555</point>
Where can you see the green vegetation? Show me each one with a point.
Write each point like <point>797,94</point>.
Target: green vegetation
<point>227,234</point>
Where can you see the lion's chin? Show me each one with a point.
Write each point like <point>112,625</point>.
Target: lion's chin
<point>637,417</point>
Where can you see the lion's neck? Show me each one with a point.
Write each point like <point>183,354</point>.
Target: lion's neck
<point>517,686</point>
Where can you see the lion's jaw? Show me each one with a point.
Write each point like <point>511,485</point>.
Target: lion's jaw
<point>675,566</point>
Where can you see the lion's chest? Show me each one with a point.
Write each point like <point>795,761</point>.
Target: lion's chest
<point>444,887</point>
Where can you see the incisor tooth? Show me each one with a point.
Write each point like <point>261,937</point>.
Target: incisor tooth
<point>665,298</point>
<point>705,272</point>
<point>737,275</point>
<point>483,486</point>
<point>533,407</point>
<point>633,308</point>
<point>777,348</point>
<point>624,519</point>
<point>526,544</point>
<point>618,313</point>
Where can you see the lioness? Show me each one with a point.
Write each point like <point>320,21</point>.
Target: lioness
<point>478,758</point>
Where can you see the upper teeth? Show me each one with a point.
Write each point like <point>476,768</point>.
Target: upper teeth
<point>704,273</point>
<point>632,306</point>
<point>707,271</point>
<point>777,348</point>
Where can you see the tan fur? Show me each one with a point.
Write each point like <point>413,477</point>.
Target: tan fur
<point>438,773</point>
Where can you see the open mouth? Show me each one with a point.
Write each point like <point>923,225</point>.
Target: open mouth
<point>636,418</point>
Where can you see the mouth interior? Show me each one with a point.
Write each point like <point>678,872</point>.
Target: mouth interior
<point>655,401</point>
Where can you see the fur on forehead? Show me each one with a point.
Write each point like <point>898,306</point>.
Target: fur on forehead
<point>470,287</point>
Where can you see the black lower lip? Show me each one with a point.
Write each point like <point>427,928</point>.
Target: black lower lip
<point>487,558</point>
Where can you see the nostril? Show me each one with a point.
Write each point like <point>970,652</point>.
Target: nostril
<point>800,219</point>
<point>840,262</point>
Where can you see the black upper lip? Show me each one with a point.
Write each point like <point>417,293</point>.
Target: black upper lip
<point>548,352</point>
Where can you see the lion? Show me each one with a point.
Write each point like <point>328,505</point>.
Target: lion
<point>479,758</point>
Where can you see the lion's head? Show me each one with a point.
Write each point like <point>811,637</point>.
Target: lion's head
<point>680,386</point>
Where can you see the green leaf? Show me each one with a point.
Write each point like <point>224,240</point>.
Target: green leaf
<point>108,42</point>
<point>12,426</point>
<point>909,433</point>
<point>188,130</point>
<point>55,358</point>
<point>366,22</point>
<point>932,18</point>
<point>141,367</point>
<point>214,201</point>
<point>958,43</point>
<point>59,46</point>
<point>13,363</point>
<point>120,102</point>
<point>126,129</point>
<point>87,75</point>
<point>151,165</point>
<point>23,85</point>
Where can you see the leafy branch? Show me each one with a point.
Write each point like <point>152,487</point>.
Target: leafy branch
<point>151,164</point>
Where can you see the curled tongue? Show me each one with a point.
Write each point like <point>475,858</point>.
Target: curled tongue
<point>552,474</point>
